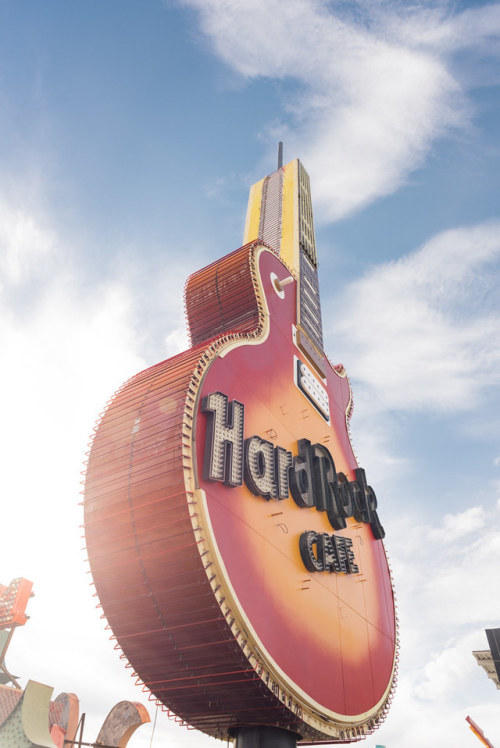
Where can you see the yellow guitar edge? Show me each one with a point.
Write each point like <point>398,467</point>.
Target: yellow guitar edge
<point>252,221</point>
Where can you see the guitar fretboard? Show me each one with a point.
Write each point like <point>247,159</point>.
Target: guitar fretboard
<point>309,307</point>
<point>309,304</point>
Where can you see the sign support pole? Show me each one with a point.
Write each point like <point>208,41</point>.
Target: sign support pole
<point>265,737</point>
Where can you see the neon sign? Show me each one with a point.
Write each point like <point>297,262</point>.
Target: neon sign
<point>272,472</point>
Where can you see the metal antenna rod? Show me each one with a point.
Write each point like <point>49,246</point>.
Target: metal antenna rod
<point>280,155</point>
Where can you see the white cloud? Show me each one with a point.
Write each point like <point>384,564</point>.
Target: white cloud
<point>67,344</point>
<point>25,244</point>
<point>445,578</point>
<point>447,570</point>
<point>439,29</point>
<point>413,331</point>
<point>449,670</point>
<point>456,526</point>
<point>413,722</point>
<point>375,82</point>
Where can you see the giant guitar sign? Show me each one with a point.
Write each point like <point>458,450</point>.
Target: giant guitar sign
<point>235,543</point>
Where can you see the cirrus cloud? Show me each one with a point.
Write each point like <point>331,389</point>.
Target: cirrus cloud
<point>422,332</point>
<point>375,83</point>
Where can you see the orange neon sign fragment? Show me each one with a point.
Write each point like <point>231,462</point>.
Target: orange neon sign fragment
<point>13,601</point>
<point>479,733</point>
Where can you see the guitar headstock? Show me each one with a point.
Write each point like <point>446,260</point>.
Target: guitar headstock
<point>280,214</point>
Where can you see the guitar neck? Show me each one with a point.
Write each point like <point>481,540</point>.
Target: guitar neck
<point>280,214</point>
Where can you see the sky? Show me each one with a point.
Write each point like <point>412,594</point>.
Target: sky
<point>130,134</point>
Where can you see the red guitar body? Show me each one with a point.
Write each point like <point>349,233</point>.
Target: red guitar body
<point>203,581</point>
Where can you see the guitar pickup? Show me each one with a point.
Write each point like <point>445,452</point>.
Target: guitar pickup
<point>309,385</point>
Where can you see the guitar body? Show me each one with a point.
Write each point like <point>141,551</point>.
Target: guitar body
<point>204,581</point>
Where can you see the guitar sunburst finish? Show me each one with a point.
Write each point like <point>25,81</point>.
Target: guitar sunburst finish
<point>203,582</point>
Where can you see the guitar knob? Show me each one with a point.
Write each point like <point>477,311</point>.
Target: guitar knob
<point>279,284</point>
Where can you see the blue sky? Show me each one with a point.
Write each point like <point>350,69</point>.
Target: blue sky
<point>130,134</point>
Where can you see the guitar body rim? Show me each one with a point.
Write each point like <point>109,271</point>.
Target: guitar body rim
<point>171,585</point>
